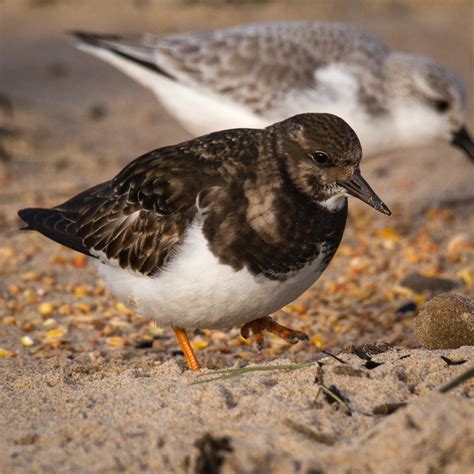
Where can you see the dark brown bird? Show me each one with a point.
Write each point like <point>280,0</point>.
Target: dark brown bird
<point>221,230</point>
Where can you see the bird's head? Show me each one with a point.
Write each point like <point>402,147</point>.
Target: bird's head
<point>428,100</point>
<point>320,154</point>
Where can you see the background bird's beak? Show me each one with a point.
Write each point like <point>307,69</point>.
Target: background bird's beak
<point>357,186</point>
<point>463,140</point>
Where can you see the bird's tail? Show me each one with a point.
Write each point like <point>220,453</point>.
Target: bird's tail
<point>121,52</point>
<point>55,225</point>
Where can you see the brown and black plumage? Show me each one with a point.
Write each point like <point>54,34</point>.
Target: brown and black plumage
<point>237,222</point>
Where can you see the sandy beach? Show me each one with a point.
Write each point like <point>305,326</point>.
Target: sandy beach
<point>90,386</point>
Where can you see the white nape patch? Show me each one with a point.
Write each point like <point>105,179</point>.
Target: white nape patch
<point>200,111</point>
<point>197,291</point>
<point>334,203</point>
<point>336,92</point>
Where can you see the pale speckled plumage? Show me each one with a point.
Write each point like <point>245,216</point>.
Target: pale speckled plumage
<point>256,74</point>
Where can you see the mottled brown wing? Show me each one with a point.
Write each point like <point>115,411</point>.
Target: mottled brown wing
<point>138,218</point>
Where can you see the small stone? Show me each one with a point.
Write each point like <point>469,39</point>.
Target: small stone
<point>27,326</point>
<point>407,307</point>
<point>418,283</point>
<point>446,322</point>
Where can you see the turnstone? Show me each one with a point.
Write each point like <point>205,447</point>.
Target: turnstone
<point>221,230</point>
<point>254,75</point>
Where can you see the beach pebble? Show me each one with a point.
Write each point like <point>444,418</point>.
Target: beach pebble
<point>446,322</point>
<point>419,283</point>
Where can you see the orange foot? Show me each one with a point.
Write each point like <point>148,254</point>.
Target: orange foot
<point>268,324</point>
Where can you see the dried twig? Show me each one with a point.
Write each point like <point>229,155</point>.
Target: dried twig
<point>336,398</point>
<point>310,433</point>
<point>369,363</point>
<point>388,408</point>
<point>334,357</point>
<point>453,383</point>
<point>453,362</point>
<point>231,373</point>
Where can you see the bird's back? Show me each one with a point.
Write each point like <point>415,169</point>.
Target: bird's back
<point>136,219</point>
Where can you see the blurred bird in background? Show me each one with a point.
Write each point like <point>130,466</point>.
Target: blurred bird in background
<point>254,75</point>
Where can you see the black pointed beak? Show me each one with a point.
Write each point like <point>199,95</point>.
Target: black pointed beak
<point>358,187</point>
<point>463,140</point>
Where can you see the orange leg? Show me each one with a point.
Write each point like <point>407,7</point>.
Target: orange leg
<point>268,324</point>
<point>188,352</point>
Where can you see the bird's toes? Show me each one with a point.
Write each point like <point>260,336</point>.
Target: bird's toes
<point>297,336</point>
<point>260,343</point>
<point>245,331</point>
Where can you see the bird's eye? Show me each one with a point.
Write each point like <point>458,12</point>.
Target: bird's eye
<point>440,105</point>
<point>320,157</point>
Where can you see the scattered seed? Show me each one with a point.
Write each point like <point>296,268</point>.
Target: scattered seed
<point>116,341</point>
<point>45,309</point>
<point>121,308</point>
<point>5,352</point>
<point>26,341</point>
<point>56,333</point>
<point>199,345</point>
<point>9,320</point>
<point>50,323</point>
<point>79,260</point>
<point>317,341</point>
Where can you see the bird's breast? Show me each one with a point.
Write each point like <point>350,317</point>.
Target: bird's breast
<point>273,238</point>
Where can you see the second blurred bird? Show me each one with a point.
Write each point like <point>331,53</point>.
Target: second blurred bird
<point>251,76</point>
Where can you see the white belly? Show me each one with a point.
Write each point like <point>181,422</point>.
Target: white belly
<point>196,291</point>
<point>201,112</point>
